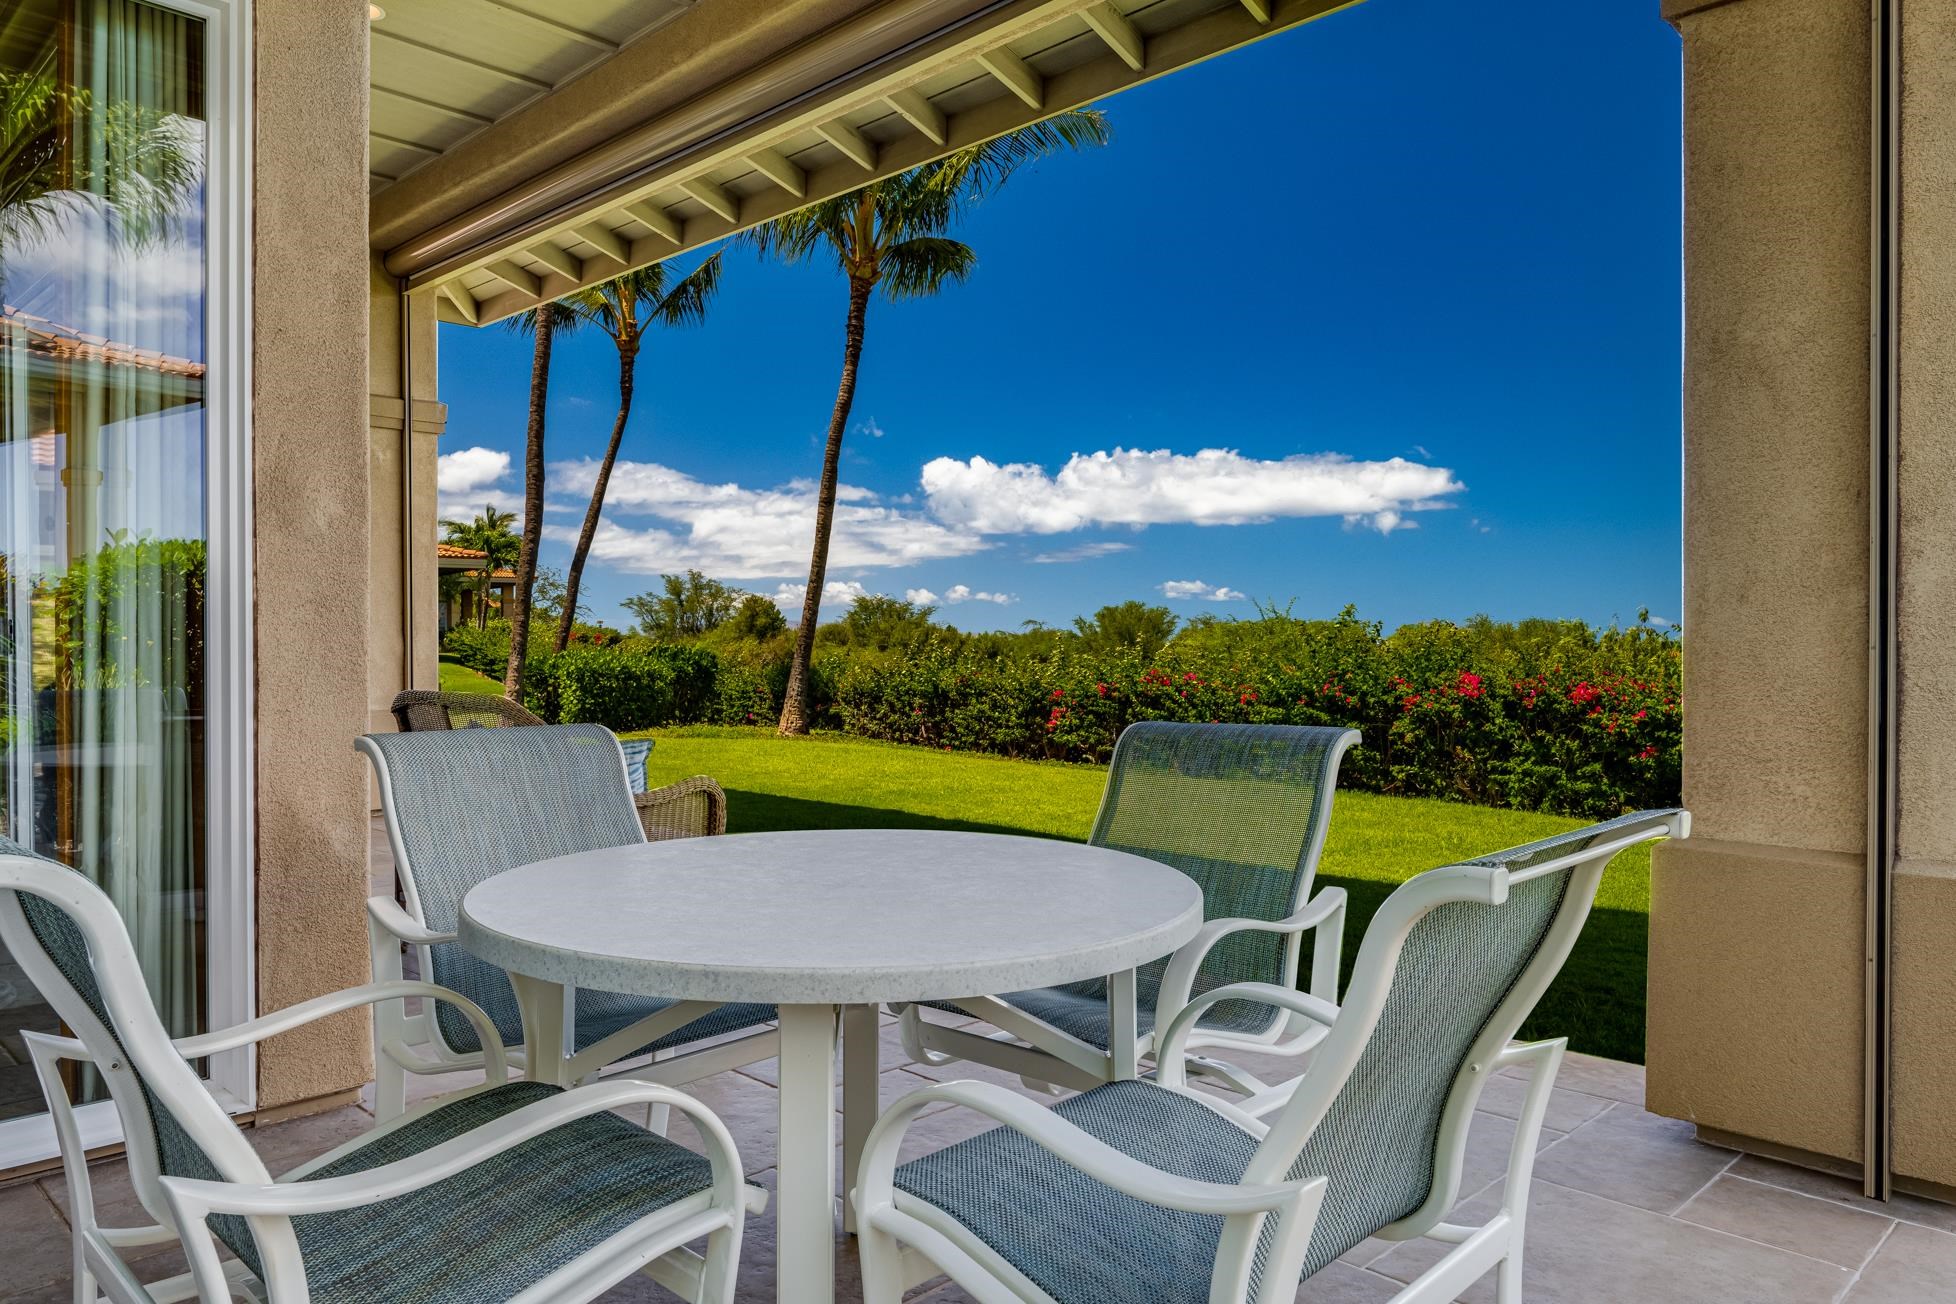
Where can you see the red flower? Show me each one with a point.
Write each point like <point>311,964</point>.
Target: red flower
<point>1058,693</point>
<point>1470,684</point>
<point>1246,699</point>
<point>1190,677</point>
<point>1583,692</point>
<point>1101,689</point>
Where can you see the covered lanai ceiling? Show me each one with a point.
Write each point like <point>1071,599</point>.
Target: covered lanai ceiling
<point>817,120</point>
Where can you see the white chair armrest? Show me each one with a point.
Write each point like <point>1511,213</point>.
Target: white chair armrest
<point>1170,1042</point>
<point>387,913</point>
<point>270,1025</point>
<point>1178,981</point>
<point>1078,1149</point>
<point>193,1200</point>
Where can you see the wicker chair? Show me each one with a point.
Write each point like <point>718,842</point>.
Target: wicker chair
<point>506,1190</point>
<point>1148,1192</point>
<point>1241,809</point>
<point>691,808</point>
<point>463,805</point>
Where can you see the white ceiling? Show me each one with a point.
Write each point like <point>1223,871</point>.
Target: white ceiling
<point>445,69</point>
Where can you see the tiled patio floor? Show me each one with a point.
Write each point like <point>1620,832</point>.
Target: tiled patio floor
<point>1627,1205</point>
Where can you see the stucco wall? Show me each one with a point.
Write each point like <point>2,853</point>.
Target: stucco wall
<point>1925,887</point>
<point>1755,990</point>
<point>309,451</point>
<point>392,663</point>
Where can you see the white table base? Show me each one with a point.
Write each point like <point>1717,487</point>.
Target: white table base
<point>804,1188</point>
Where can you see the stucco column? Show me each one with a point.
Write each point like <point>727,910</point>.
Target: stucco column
<point>401,656</point>
<point>309,465</point>
<point>1755,1024</point>
<point>1924,1024</point>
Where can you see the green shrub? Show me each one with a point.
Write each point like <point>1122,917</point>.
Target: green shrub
<point>1543,716</point>
<point>484,650</point>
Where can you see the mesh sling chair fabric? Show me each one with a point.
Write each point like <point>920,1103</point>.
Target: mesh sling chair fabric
<point>691,808</point>
<point>1240,809</point>
<point>1084,1243</point>
<point>488,1232</point>
<point>177,1153</point>
<point>467,804</point>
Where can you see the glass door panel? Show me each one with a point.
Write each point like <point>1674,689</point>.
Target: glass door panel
<point>103,434</point>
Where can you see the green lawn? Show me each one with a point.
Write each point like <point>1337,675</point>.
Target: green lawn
<point>458,678</point>
<point>831,781</point>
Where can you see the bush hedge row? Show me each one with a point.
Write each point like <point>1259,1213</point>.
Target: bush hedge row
<point>1547,716</point>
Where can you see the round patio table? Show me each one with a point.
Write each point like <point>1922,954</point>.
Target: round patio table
<point>826,925</point>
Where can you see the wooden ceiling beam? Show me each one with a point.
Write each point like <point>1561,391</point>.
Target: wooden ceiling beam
<point>851,142</point>
<point>662,223</point>
<point>517,278</point>
<point>714,195</point>
<point>1016,75</point>
<point>913,107</point>
<point>1122,37</point>
<point>778,168</point>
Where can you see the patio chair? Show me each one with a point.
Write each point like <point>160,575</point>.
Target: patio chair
<point>691,808</point>
<point>463,805</point>
<point>512,1191</point>
<point>1149,1191</point>
<point>1242,810</point>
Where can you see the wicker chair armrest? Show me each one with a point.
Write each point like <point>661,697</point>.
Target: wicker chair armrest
<point>691,808</point>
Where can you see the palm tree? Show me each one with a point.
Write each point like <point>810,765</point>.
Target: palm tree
<point>542,324</point>
<point>490,535</point>
<point>624,308</point>
<point>149,162</point>
<point>892,234</point>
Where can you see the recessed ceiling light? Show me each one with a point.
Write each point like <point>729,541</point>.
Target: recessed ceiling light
<point>375,13</point>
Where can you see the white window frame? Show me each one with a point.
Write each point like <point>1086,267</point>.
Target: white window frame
<point>229,773</point>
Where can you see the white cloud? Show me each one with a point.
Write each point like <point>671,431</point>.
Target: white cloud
<point>963,593</point>
<point>1215,486</point>
<point>735,532</point>
<point>920,597</point>
<point>868,426</point>
<point>1085,552</point>
<point>469,479</point>
<point>837,595</point>
<point>1197,591</point>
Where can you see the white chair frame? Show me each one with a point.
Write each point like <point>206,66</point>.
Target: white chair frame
<point>1046,1056</point>
<point>655,1245</point>
<point>906,1241</point>
<point>410,1044</point>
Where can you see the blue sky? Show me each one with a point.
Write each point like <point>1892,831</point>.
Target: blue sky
<point>1405,231</point>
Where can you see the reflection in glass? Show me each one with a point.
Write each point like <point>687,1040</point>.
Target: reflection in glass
<point>102,437</point>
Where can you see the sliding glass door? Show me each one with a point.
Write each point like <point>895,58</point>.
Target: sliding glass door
<point>113,432</point>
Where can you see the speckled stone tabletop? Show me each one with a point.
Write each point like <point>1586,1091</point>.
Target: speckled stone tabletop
<point>831,917</point>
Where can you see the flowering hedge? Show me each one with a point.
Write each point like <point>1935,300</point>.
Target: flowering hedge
<point>1594,731</point>
<point>1543,715</point>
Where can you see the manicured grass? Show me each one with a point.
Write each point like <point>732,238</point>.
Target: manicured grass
<point>458,678</point>
<point>1375,843</point>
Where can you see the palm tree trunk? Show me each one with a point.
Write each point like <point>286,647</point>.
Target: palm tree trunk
<point>526,565</point>
<point>795,708</point>
<point>627,365</point>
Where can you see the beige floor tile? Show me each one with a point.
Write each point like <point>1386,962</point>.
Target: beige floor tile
<point>1340,1283</point>
<point>36,1239</point>
<point>1791,1221</point>
<point>1846,1191</point>
<point>1567,1110</point>
<point>1634,1157</point>
<point>1913,1266</point>
<point>1610,1079</point>
<point>1586,1250</point>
